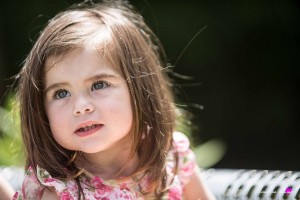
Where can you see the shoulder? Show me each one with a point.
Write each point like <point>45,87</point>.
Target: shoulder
<point>31,187</point>
<point>181,142</point>
<point>49,194</point>
<point>186,159</point>
<point>36,184</point>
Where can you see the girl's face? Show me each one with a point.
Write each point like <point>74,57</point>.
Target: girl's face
<point>87,103</point>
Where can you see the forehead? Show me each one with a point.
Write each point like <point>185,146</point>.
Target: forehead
<point>87,55</point>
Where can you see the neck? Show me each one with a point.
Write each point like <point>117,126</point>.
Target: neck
<point>110,164</point>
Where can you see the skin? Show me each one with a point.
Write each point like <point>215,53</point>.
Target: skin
<point>49,195</point>
<point>6,190</point>
<point>195,189</point>
<point>81,91</point>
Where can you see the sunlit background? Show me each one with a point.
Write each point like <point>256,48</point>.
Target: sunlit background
<point>241,62</point>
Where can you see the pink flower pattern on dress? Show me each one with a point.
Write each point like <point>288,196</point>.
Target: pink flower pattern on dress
<point>65,196</point>
<point>175,193</point>
<point>101,190</point>
<point>95,188</point>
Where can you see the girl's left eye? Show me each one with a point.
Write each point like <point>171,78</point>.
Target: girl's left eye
<point>60,94</point>
<point>99,85</point>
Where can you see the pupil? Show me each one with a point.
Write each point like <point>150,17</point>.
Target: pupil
<point>62,94</point>
<point>98,86</point>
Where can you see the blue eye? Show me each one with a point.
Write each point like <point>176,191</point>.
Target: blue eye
<point>99,85</point>
<point>61,94</point>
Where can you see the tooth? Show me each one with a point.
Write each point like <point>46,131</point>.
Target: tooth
<point>87,128</point>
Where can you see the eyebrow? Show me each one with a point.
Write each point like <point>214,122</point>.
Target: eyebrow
<point>93,78</point>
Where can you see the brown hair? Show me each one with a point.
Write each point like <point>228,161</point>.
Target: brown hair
<point>124,40</point>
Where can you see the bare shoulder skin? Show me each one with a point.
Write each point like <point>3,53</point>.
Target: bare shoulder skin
<point>6,190</point>
<point>195,189</point>
<point>49,194</point>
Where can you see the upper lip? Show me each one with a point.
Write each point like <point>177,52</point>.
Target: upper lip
<point>86,124</point>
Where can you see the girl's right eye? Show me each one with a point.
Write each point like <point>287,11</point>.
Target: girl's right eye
<point>61,94</point>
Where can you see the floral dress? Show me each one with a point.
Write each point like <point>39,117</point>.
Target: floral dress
<point>95,188</point>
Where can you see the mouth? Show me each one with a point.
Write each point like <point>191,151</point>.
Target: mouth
<point>88,129</point>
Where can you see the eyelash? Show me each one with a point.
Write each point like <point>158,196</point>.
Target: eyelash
<point>104,84</point>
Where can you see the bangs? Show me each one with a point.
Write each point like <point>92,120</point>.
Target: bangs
<point>91,33</point>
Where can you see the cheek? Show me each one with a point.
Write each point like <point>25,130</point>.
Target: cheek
<point>119,110</point>
<point>57,119</point>
<point>52,115</point>
<point>123,105</point>
<point>59,128</point>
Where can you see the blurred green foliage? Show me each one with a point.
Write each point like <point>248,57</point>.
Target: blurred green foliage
<point>11,148</point>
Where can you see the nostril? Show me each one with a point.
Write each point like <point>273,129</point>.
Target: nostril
<point>77,113</point>
<point>90,109</point>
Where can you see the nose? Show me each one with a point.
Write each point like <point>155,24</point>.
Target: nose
<point>83,105</point>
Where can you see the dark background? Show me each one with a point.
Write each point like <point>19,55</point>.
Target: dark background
<point>245,65</point>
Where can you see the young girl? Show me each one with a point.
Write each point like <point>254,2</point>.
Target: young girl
<point>97,112</point>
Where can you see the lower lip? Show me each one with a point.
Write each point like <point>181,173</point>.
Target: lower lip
<point>89,132</point>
